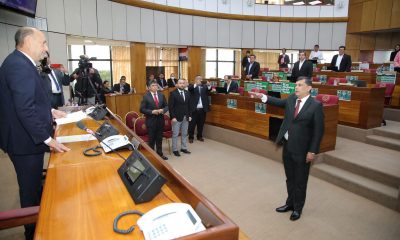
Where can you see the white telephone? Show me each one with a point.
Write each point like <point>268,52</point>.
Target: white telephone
<point>170,221</point>
<point>115,142</point>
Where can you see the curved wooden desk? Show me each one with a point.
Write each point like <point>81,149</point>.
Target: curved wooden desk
<point>82,195</point>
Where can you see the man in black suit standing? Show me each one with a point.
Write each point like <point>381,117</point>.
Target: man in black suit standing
<point>26,122</point>
<point>122,87</point>
<point>246,60</point>
<point>179,111</point>
<point>199,107</point>
<point>162,82</point>
<point>154,105</point>
<point>283,59</point>
<point>302,67</point>
<point>55,79</point>
<point>301,133</point>
<point>252,68</point>
<point>172,81</point>
<point>230,86</point>
<point>341,62</point>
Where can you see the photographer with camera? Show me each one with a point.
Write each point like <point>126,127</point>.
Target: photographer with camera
<point>55,79</point>
<point>88,82</point>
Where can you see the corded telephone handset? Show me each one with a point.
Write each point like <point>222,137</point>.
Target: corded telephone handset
<point>168,221</point>
<point>116,142</point>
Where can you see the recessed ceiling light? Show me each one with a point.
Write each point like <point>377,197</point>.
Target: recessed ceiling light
<point>315,2</point>
<point>298,3</point>
<point>88,41</point>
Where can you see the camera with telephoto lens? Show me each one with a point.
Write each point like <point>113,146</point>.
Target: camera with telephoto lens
<point>44,66</point>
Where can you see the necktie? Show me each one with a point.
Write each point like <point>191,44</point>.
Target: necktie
<point>55,81</point>
<point>296,110</point>
<point>182,95</point>
<point>200,90</point>
<point>156,99</point>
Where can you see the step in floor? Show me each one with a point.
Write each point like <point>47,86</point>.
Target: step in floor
<point>385,142</point>
<point>391,130</point>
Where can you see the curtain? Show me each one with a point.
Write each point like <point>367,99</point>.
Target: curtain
<point>163,57</point>
<point>267,59</point>
<point>121,63</point>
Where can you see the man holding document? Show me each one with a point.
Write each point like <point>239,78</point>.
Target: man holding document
<point>300,133</point>
<point>26,122</point>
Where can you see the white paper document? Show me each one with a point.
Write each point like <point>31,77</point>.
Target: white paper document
<point>75,138</point>
<point>71,118</point>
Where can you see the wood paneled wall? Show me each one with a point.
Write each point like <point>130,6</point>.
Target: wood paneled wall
<point>138,66</point>
<point>194,63</point>
<point>373,15</point>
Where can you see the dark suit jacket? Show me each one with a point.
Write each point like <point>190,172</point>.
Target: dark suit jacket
<point>25,108</point>
<point>286,61</point>
<point>178,108</point>
<point>148,105</point>
<point>306,70</point>
<point>63,80</point>
<point>232,88</point>
<point>345,64</point>
<point>117,88</point>
<point>172,83</point>
<point>195,95</point>
<point>254,70</point>
<point>245,61</point>
<point>393,55</point>
<point>162,82</point>
<point>306,130</point>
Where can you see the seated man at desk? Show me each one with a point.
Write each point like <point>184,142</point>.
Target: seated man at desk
<point>162,82</point>
<point>230,86</point>
<point>122,87</point>
<point>172,81</point>
<point>341,62</point>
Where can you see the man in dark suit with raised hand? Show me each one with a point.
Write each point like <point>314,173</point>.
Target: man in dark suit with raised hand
<point>199,107</point>
<point>302,67</point>
<point>26,122</point>
<point>55,80</point>
<point>341,62</point>
<point>154,105</point>
<point>253,68</point>
<point>301,133</point>
<point>179,111</point>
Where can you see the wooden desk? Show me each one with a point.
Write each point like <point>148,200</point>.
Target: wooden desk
<point>244,119</point>
<point>82,195</point>
<point>365,110</point>
<point>371,80</point>
<point>122,104</point>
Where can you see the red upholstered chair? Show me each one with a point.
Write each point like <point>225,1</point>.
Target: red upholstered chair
<point>18,217</point>
<point>241,91</point>
<point>317,70</point>
<point>167,132</point>
<point>130,118</point>
<point>264,79</point>
<point>263,91</point>
<point>388,92</point>
<point>327,99</point>
<point>140,129</point>
<point>331,80</point>
<point>315,79</point>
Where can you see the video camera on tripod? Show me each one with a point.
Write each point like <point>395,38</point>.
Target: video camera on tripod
<point>88,80</point>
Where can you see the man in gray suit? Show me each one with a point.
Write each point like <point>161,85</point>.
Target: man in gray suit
<point>300,133</point>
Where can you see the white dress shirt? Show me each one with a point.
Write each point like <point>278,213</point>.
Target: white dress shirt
<point>339,60</point>
<point>301,64</point>
<point>53,78</point>
<point>317,55</point>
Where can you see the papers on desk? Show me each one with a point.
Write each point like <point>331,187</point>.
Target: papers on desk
<point>75,138</point>
<point>71,118</point>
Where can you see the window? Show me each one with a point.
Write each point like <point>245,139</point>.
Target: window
<point>101,54</point>
<point>164,57</point>
<point>220,62</point>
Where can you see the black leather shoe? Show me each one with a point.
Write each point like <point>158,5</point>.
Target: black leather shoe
<point>295,215</point>
<point>164,157</point>
<point>176,153</point>
<point>200,139</point>
<point>185,151</point>
<point>191,140</point>
<point>284,208</point>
